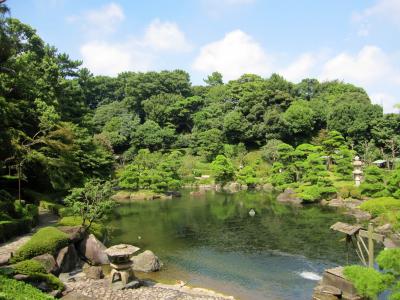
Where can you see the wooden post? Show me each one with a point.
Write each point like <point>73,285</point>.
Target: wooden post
<point>370,246</point>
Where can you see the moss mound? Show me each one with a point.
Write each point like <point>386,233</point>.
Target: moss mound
<point>11,289</point>
<point>381,205</point>
<point>46,240</point>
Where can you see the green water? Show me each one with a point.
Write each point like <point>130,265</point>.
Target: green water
<point>212,241</point>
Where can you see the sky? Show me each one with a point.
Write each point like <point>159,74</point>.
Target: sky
<point>357,41</point>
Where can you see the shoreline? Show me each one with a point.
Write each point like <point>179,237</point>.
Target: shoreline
<point>80,287</point>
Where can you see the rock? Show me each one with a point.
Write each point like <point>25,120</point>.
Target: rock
<point>386,228</point>
<point>232,187</point>
<point>71,277</point>
<point>146,262</point>
<point>268,187</point>
<point>4,259</point>
<point>48,262</point>
<point>336,203</point>
<point>93,272</point>
<point>244,187</point>
<point>67,259</point>
<point>328,289</point>
<point>21,277</point>
<point>93,250</point>
<point>322,296</point>
<point>359,215</point>
<point>289,196</point>
<point>56,293</point>
<point>121,196</point>
<point>44,287</point>
<point>75,233</point>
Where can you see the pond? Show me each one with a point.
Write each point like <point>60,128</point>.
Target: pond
<point>212,241</point>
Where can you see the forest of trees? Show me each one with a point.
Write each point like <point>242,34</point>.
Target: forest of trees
<point>61,125</point>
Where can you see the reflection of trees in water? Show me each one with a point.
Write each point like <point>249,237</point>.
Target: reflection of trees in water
<point>222,221</point>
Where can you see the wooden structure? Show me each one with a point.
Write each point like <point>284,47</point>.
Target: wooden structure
<point>355,234</point>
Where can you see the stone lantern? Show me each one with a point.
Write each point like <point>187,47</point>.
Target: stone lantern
<point>357,173</point>
<point>120,263</point>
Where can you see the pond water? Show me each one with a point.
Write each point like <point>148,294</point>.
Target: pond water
<point>211,241</point>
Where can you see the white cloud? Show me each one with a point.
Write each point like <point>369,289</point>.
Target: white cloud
<point>365,67</point>
<point>237,53</point>
<point>388,9</point>
<point>103,20</point>
<point>166,36</point>
<point>110,59</point>
<point>301,68</point>
<point>387,101</point>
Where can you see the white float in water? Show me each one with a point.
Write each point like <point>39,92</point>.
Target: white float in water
<point>310,276</point>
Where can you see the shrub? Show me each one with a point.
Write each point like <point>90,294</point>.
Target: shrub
<point>11,228</point>
<point>50,206</point>
<point>312,193</point>
<point>368,282</point>
<point>349,191</point>
<point>389,260</point>
<point>29,267</point>
<point>380,205</point>
<point>97,229</point>
<point>46,240</point>
<point>11,289</point>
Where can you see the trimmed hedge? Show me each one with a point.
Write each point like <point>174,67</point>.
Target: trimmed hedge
<point>11,289</point>
<point>46,240</point>
<point>381,205</point>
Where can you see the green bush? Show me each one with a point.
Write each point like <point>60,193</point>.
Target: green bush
<point>50,206</point>
<point>11,289</point>
<point>380,205</point>
<point>389,260</point>
<point>368,282</point>
<point>28,267</point>
<point>11,228</point>
<point>97,229</point>
<point>46,240</point>
<point>312,193</point>
<point>349,191</point>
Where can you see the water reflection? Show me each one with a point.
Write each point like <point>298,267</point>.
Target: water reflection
<point>212,238</point>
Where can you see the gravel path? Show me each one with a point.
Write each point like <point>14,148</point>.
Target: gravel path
<point>46,218</point>
<point>102,289</point>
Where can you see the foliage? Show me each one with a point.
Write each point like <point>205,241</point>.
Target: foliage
<point>11,289</point>
<point>91,202</point>
<point>247,176</point>
<point>373,184</point>
<point>153,171</point>
<point>223,169</point>
<point>28,267</point>
<point>45,240</point>
<point>368,282</point>
<point>380,205</point>
<point>98,229</point>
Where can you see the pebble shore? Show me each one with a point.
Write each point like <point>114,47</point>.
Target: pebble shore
<point>85,289</point>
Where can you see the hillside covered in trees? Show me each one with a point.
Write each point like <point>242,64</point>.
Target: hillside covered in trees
<point>61,125</point>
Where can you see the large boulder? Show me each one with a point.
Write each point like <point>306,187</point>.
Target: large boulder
<point>289,196</point>
<point>93,272</point>
<point>75,233</point>
<point>146,262</point>
<point>93,250</point>
<point>67,259</point>
<point>48,262</point>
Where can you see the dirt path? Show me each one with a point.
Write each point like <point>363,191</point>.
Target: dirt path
<point>46,218</point>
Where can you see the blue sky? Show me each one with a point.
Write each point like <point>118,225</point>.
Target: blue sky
<point>357,41</point>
